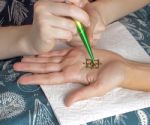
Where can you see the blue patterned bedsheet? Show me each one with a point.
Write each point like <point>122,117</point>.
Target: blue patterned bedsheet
<point>27,105</point>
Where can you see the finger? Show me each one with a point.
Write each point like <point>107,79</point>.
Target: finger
<point>49,32</point>
<point>95,19</point>
<point>37,67</point>
<point>79,3</point>
<point>76,41</point>
<point>90,31</point>
<point>64,23</point>
<point>55,53</point>
<point>69,10</point>
<point>58,33</point>
<point>42,60</point>
<point>45,79</point>
<point>81,94</point>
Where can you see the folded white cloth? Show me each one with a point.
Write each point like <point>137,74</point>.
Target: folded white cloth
<point>116,38</point>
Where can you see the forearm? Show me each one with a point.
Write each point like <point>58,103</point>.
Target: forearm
<point>112,10</point>
<point>13,41</point>
<point>137,76</point>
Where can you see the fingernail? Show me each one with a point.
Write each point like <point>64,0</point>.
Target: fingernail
<point>19,81</point>
<point>22,77</point>
<point>14,67</point>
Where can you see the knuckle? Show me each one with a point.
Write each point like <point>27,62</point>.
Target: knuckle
<point>38,6</point>
<point>68,23</point>
<point>40,20</point>
<point>65,23</point>
<point>72,26</point>
<point>68,35</point>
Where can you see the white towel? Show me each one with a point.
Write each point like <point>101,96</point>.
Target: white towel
<point>116,38</point>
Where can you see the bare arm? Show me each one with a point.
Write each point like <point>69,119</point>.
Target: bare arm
<point>114,71</point>
<point>13,41</point>
<point>112,10</point>
<point>137,76</point>
<point>49,24</point>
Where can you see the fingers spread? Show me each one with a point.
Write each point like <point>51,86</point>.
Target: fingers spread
<point>37,67</point>
<point>39,79</point>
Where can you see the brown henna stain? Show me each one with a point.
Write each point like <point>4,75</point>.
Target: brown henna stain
<point>92,65</point>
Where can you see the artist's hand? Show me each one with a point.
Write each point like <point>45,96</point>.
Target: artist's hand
<point>53,21</point>
<point>97,24</point>
<point>69,66</point>
<point>79,3</point>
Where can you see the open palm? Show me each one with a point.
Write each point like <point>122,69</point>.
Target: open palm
<point>69,66</point>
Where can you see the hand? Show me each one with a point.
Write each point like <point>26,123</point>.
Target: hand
<point>68,66</point>
<point>53,21</point>
<point>79,3</point>
<point>97,24</point>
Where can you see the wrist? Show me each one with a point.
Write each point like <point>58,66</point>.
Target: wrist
<point>137,76</point>
<point>25,42</point>
<point>129,69</point>
<point>103,10</point>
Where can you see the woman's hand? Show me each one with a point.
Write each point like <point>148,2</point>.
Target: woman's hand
<point>97,24</point>
<point>69,66</point>
<point>53,21</point>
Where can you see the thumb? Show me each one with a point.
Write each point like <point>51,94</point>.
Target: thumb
<point>81,94</point>
<point>96,21</point>
<point>90,31</point>
<point>93,21</point>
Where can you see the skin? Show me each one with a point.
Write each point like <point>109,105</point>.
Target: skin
<point>112,10</point>
<point>97,25</point>
<point>52,21</point>
<point>103,13</point>
<point>115,71</point>
<point>53,68</point>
